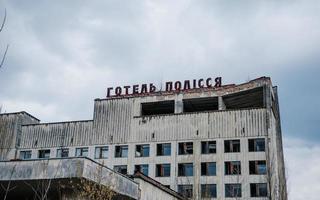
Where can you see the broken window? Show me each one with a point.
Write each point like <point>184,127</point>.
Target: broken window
<point>142,168</point>
<point>258,190</point>
<point>44,153</point>
<point>185,190</point>
<point>121,169</point>
<point>233,190</point>
<point>101,152</point>
<point>257,167</point>
<point>156,108</point>
<point>185,148</point>
<point>25,155</point>
<point>121,151</point>
<point>82,152</point>
<point>208,169</point>
<point>63,153</point>
<point>163,170</point>
<point>200,104</point>
<point>164,149</point>
<point>232,168</point>
<point>208,147</point>
<point>252,98</point>
<point>256,145</point>
<point>208,191</point>
<point>231,146</point>
<point>185,169</point>
<point>142,150</point>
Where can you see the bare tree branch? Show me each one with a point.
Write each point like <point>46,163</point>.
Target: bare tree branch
<point>4,56</point>
<point>4,19</point>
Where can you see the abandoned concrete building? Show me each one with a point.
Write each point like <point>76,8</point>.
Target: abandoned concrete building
<point>202,143</point>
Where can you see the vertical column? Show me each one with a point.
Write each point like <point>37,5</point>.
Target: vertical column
<point>221,105</point>
<point>178,104</point>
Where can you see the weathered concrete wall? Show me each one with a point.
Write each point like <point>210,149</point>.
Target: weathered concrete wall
<point>149,192</point>
<point>68,168</point>
<point>10,132</point>
<point>75,133</point>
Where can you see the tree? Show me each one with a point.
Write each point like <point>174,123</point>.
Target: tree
<point>1,29</point>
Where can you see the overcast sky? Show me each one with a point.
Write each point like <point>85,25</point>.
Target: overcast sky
<point>64,54</point>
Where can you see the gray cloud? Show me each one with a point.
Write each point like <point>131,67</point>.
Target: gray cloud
<point>63,54</point>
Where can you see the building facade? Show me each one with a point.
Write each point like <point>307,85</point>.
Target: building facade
<point>205,143</point>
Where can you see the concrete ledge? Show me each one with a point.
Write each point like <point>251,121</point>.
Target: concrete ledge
<point>68,168</point>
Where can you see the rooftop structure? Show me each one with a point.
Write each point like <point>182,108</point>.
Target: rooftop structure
<point>205,142</point>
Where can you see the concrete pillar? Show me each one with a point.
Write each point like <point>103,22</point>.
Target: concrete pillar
<point>178,107</point>
<point>221,105</point>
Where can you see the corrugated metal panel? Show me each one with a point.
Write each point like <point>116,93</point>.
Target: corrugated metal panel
<point>112,120</point>
<point>224,124</point>
<point>57,134</point>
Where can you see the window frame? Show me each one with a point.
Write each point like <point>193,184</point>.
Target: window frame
<point>82,151</point>
<point>120,153</point>
<point>163,149</point>
<point>98,152</point>
<point>142,148</point>
<point>46,152</point>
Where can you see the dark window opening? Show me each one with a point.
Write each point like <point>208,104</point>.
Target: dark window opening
<point>82,152</point>
<point>208,147</point>
<point>233,190</point>
<point>62,153</point>
<point>208,169</point>
<point>200,104</point>
<point>164,149</point>
<point>121,151</point>
<point>257,167</point>
<point>156,108</point>
<point>231,146</point>
<point>185,169</point>
<point>101,152</point>
<point>44,153</point>
<point>185,190</point>
<point>247,99</point>
<point>185,148</point>
<point>121,169</point>
<point>232,168</point>
<point>208,190</point>
<point>258,190</point>
<point>163,170</point>
<point>256,145</point>
<point>142,150</point>
<point>142,168</point>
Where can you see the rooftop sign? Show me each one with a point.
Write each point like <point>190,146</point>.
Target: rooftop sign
<point>169,87</point>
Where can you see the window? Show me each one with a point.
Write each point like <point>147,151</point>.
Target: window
<point>44,153</point>
<point>258,190</point>
<point>62,153</point>
<point>257,167</point>
<point>208,190</point>
<point>82,152</point>
<point>208,147</point>
<point>233,190</point>
<point>101,152</point>
<point>142,150</point>
<point>162,170</point>
<point>164,149</point>
<point>185,190</point>
<point>121,169</point>
<point>200,104</point>
<point>232,168</point>
<point>25,155</point>
<point>185,148</point>
<point>208,169</point>
<point>256,144</point>
<point>121,151</point>
<point>231,146</point>
<point>156,108</point>
<point>185,169</point>
<point>142,168</point>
